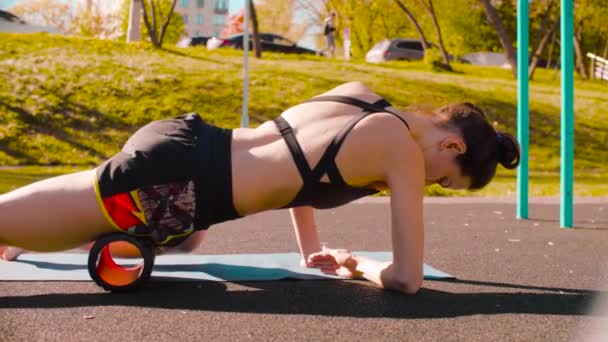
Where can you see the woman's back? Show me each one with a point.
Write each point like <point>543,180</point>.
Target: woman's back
<point>264,173</point>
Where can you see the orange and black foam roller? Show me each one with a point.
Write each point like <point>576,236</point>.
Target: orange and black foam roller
<point>111,276</point>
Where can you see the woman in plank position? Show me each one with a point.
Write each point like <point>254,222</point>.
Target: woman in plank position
<point>174,178</point>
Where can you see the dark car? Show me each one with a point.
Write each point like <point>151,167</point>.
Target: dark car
<point>270,42</point>
<point>193,41</point>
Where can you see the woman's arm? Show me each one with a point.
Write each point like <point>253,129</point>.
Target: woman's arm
<point>404,174</point>
<point>406,181</point>
<point>306,230</point>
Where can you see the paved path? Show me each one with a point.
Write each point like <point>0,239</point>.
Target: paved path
<point>517,281</point>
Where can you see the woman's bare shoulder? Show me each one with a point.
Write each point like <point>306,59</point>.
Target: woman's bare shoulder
<point>355,89</point>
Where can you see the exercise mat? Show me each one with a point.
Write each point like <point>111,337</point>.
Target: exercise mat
<point>184,267</point>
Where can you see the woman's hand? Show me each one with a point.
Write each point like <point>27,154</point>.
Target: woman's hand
<point>8,253</point>
<point>334,262</point>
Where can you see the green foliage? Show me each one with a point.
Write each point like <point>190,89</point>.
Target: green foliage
<point>464,26</point>
<point>76,101</point>
<point>590,15</point>
<point>433,59</point>
<point>175,31</point>
<point>370,22</point>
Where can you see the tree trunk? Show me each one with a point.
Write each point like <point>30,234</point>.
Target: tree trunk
<point>550,56</point>
<point>149,25</point>
<point>134,28</point>
<point>541,47</point>
<point>256,38</point>
<point>431,11</point>
<point>157,34</point>
<point>580,58</point>
<point>167,22</point>
<point>543,26</point>
<point>412,19</point>
<point>503,36</point>
<point>606,50</point>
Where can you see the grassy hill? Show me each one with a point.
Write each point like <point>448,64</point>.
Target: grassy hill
<point>70,101</point>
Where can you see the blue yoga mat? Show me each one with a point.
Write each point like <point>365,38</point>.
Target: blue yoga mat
<point>185,267</point>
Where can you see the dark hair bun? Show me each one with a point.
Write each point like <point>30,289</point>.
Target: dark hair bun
<point>508,150</point>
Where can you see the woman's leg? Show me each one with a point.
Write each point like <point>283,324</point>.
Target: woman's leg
<point>55,214</point>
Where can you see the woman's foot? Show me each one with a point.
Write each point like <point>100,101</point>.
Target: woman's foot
<point>10,253</point>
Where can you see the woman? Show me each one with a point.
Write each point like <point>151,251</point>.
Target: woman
<point>329,31</point>
<point>175,178</point>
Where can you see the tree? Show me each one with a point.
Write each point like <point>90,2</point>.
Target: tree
<point>414,22</point>
<point>90,21</point>
<point>278,16</point>
<point>51,13</point>
<point>156,21</point>
<point>254,23</point>
<point>590,30</point>
<point>369,22</point>
<point>86,19</point>
<point>578,52</point>
<point>503,35</point>
<point>165,28</point>
<point>431,11</point>
<point>536,54</point>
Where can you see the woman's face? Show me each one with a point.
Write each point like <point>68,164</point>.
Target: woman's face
<point>441,166</point>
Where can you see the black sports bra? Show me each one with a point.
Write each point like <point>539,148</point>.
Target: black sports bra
<point>314,192</point>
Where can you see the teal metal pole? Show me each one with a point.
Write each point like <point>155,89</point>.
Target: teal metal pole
<point>567,115</point>
<point>522,107</point>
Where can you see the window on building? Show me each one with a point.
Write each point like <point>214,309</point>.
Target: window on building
<point>200,19</point>
<point>200,3</point>
<point>221,5</point>
<point>185,18</point>
<point>184,3</point>
<point>219,19</point>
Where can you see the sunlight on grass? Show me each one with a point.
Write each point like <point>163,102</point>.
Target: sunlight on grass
<point>12,178</point>
<point>72,101</point>
<point>541,184</point>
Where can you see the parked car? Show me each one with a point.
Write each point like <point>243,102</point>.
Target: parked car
<point>193,41</point>
<point>270,42</point>
<point>408,49</point>
<point>395,49</point>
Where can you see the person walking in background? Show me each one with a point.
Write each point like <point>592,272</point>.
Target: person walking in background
<point>329,29</point>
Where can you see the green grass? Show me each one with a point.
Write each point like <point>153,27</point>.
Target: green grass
<point>71,101</point>
<point>12,178</point>
<point>541,184</point>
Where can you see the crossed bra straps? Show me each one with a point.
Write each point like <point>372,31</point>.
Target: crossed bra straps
<point>314,192</point>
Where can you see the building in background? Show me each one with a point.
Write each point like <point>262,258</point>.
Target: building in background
<point>203,17</point>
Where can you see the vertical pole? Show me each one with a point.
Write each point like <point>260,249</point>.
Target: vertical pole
<point>134,28</point>
<point>567,115</point>
<point>245,115</point>
<point>522,107</point>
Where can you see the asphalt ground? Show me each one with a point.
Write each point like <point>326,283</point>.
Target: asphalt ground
<point>517,280</point>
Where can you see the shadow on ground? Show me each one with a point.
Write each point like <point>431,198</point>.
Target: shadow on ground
<point>328,298</point>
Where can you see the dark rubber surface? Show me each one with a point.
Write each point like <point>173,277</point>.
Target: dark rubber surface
<point>517,281</point>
